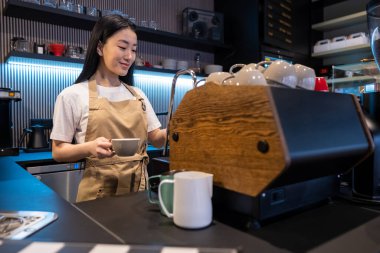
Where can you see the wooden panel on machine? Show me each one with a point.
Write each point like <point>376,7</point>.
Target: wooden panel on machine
<point>231,132</point>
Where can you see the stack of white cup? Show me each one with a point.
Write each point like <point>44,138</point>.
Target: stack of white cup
<point>169,64</point>
<point>278,72</point>
<point>182,65</point>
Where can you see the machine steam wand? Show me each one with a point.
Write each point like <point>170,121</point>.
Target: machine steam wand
<point>171,102</point>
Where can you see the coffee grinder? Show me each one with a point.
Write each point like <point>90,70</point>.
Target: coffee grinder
<point>6,144</point>
<point>37,135</point>
<point>366,176</point>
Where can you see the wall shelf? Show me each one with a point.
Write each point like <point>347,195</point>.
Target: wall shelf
<point>350,71</point>
<point>343,51</point>
<point>324,3</point>
<point>177,40</point>
<point>341,22</point>
<point>46,59</point>
<point>35,12</point>
<point>350,83</point>
<point>360,67</point>
<point>364,73</point>
<point>45,14</point>
<point>357,80</point>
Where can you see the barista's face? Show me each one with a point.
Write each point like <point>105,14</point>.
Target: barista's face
<point>119,52</point>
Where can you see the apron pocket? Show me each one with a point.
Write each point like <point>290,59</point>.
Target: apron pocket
<point>108,186</point>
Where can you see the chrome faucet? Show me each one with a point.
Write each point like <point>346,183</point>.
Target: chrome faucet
<point>171,102</point>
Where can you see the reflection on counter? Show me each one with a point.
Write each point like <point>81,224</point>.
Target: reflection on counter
<point>62,178</point>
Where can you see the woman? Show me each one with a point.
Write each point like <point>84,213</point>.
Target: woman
<point>102,105</point>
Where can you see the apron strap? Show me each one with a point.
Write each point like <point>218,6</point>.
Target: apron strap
<point>93,95</point>
<point>134,93</point>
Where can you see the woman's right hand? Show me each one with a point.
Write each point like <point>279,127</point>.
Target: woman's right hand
<point>66,152</point>
<point>101,148</point>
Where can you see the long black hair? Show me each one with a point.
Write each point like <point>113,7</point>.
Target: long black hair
<point>104,28</point>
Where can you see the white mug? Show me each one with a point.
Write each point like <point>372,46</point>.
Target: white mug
<point>305,76</point>
<point>192,206</point>
<point>247,75</point>
<point>280,72</point>
<point>217,77</point>
<point>246,66</point>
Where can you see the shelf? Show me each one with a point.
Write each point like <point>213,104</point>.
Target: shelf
<point>341,22</point>
<point>364,73</point>
<point>54,61</point>
<point>357,80</point>
<point>35,12</point>
<point>55,16</point>
<point>359,67</point>
<point>44,57</point>
<point>177,40</point>
<point>352,82</point>
<point>324,3</point>
<point>343,51</point>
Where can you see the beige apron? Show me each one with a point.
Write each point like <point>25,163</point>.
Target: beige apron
<point>114,175</point>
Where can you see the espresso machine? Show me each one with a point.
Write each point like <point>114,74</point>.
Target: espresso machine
<point>273,151</point>
<point>7,96</point>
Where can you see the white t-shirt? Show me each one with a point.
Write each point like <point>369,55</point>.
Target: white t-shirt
<point>71,110</point>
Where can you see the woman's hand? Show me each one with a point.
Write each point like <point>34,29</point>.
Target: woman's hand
<point>101,148</point>
<point>157,137</point>
<point>66,152</point>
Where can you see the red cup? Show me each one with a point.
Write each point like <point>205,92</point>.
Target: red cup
<point>321,84</point>
<point>57,49</point>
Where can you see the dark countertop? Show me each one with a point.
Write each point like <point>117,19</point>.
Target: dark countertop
<point>313,230</point>
<point>337,226</point>
<point>142,223</point>
<point>22,191</point>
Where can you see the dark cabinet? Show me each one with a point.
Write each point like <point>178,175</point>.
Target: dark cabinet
<point>260,28</point>
<point>241,30</point>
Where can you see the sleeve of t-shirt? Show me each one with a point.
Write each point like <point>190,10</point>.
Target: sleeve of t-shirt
<point>153,121</point>
<point>66,117</point>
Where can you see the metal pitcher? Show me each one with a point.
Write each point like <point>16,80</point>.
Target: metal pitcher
<point>20,44</point>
